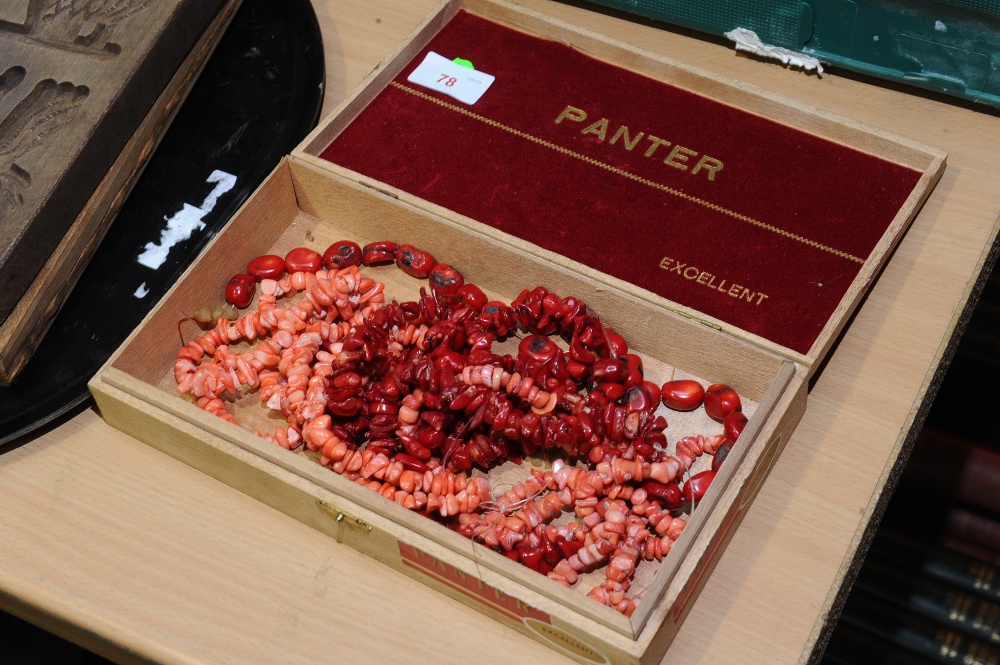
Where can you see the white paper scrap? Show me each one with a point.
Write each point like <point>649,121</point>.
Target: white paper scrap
<point>747,40</point>
<point>442,75</point>
<point>185,222</point>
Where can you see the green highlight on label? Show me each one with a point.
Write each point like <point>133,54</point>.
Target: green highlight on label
<point>463,62</point>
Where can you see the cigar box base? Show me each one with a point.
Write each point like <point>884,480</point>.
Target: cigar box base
<point>300,204</point>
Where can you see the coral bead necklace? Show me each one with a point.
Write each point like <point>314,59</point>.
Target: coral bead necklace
<point>416,401</point>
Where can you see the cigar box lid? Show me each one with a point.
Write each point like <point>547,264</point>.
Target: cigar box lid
<point>754,214</point>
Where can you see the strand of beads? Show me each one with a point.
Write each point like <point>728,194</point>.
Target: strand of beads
<point>407,398</point>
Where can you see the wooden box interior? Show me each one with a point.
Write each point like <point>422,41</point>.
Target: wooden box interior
<point>302,205</point>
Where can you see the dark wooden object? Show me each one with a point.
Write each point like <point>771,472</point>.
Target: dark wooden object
<point>87,88</point>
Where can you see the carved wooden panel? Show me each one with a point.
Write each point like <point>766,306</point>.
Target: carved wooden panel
<point>78,79</point>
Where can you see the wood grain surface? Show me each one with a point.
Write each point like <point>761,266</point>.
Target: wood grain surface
<point>85,95</point>
<point>141,558</point>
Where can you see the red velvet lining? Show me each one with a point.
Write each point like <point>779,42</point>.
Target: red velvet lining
<point>769,242</point>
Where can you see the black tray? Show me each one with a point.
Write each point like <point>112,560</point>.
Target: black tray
<point>258,96</point>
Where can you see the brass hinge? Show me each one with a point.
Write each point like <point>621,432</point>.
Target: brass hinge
<point>710,324</point>
<point>342,518</point>
<point>378,189</point>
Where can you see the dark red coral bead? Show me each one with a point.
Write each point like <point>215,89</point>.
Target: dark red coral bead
<point>619,346</point>
<point>635,372</point>
<point>379,253</point>
<point>638,399</point>
<point>415,262</point>
<point>613,391</point>
<point>342,254</point>
<point>609,370</point>
<point>268,266</point>
<point>667,494</point>
<point>240,290</point>
<point>531,557</point>
<point>697,485</point>
<point>445,280</point>
<point>682,395</point>
<point>721,453</point>
<point>303,259</point>
<point>472,296</point>
<point>734,424</point>
<point>721,400</point>
<point>537,349</point>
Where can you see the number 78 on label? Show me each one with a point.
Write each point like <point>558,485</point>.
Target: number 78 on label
<point>442,75</point>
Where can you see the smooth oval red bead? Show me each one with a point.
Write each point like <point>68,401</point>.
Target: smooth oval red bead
<point>240,290</point>
<point>342,254</point>
<point>734,424</point>
<point>268,266</point>
<point>303,259</point>
<point>721,400</point>
<point>697,485</point>
<point>682,395</point>
<point>445,280</point>
<point>379,253</point>
<point>415,262</point>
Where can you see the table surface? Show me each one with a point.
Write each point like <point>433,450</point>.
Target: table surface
<point>138,557</point>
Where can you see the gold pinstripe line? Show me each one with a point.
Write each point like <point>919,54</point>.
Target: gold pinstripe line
<point>631,176</point>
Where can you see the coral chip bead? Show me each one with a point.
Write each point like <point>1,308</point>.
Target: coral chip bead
<point>721,400</point>
<point>303,259</point>
<point>446,280</point>
<point>268,266</point>
<point>415,262</point>
<point>240,290</point>
<point>682,395</point>
<point>342,254</point>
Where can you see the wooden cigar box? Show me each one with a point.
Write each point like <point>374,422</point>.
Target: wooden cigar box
<point>85,96</point>
<point>546,191</point>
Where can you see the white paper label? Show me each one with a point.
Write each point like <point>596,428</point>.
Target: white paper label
<point>441,74</point>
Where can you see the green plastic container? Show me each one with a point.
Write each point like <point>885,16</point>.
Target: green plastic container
<point>951,46</point>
